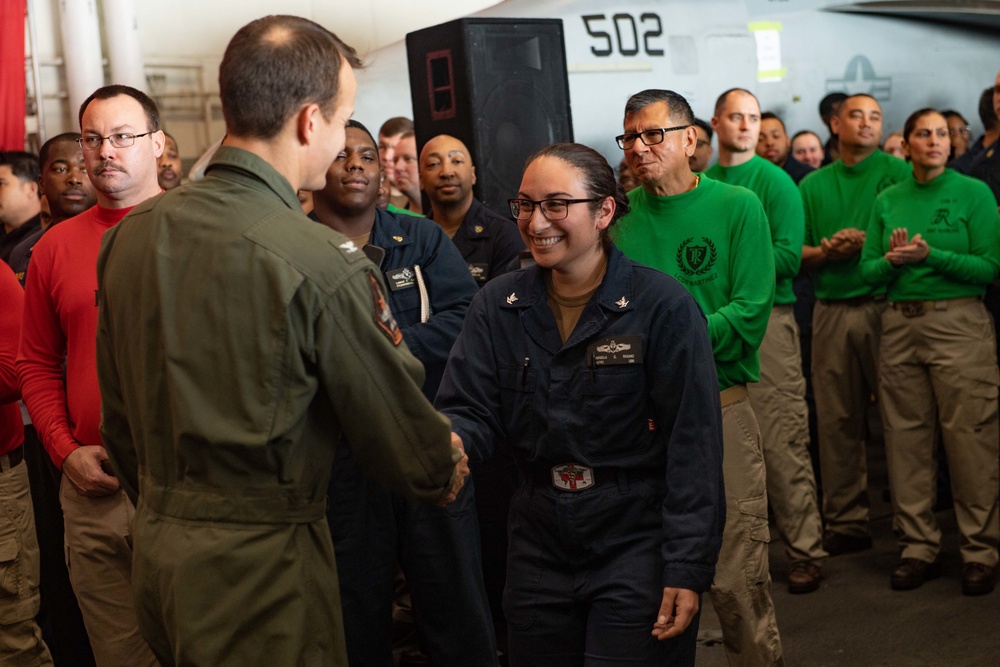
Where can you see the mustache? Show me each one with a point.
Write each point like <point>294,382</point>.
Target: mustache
<point>106,165</point>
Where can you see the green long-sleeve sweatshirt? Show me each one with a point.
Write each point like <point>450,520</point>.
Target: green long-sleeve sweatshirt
<point>957,216</point>
<point>783,204</point>
<point>838,197</point>
<point>715,241</point>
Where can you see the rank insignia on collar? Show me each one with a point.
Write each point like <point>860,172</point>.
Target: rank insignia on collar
<point>512,298</point>
<point>478,229</point>
<point>622,302</point>
<point>348,247</point>
<point>397,239</point>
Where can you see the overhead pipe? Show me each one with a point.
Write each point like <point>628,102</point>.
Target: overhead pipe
<point>36,77</point>
<point>121,31</point>
<point>81,42</point>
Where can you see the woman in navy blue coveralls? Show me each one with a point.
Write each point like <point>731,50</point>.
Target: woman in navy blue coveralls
<point>599,374</point>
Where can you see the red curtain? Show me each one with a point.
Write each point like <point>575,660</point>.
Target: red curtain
<point>12,91</point>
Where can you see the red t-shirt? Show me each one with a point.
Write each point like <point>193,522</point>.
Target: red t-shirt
<point>57,360</point>
<point>12,298</point>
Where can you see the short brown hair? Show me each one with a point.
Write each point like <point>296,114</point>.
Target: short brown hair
<point>147,103</point>
<point>395,125</point>
<point>275,65</point>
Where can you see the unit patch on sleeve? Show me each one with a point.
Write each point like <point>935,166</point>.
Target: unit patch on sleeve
<point>383,316</point>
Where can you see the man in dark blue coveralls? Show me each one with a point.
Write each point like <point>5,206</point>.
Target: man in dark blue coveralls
<point>429,292</point>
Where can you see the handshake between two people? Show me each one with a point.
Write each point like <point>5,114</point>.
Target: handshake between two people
<point>458,477</point>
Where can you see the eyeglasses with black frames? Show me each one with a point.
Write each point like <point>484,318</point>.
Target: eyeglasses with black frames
<point>553,209</point>
<point>648,137</point>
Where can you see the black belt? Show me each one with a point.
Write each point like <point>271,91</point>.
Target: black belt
<point>573,477</point>
<point>11,459</point>
<point>856,301</point>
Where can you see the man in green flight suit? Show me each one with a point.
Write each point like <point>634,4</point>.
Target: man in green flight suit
<point>238,340</point>
<point>714,239</point>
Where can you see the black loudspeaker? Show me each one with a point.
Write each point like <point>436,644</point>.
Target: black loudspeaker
<point>500,86</point>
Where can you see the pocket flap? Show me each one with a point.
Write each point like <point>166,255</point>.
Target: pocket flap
<point>9,547</point>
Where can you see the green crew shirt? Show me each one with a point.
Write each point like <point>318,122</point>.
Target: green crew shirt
<point>957,216</point>
<point>785,216</point>
<point>715,241</point>
<point>404,211</point>
<point>838,197</point>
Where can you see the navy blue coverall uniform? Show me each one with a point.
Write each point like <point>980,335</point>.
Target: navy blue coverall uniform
<point>373,529</point>
<point>489,242</point>
<point>631,394</point>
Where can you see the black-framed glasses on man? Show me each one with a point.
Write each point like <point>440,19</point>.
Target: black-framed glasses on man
<point>648,137</point>
<point>92,142</point>
<point>553,209</point>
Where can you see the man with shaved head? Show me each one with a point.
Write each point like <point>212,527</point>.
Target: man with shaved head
<point>168,165</point>
<point>489,242</point>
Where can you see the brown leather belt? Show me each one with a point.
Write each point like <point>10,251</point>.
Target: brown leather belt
<point>733,394</point>
<point>11,459</point>
<point>918,308</point>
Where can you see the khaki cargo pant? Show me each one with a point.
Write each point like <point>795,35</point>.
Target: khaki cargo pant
<point>779,401</point>
<point>99,560</point>
<point>844,369</point>
<point>20,637</point>
<point>741,591</point>
<point>941,368</point>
